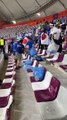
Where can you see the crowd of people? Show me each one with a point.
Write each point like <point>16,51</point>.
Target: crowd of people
<point>49,36</point>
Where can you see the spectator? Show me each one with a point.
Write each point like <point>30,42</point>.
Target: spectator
<point>54,36</point>
<point>2,43</point>
<point>29,45</point>
<point>14,49</point>
<point>20,50</point>
<point>29,42</point>
<point>44,40</point>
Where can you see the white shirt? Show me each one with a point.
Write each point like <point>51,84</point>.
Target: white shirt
<point>55,32</point>
<point>36,34</point>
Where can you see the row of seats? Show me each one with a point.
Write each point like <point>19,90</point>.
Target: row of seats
<point>49,93</point>
<point>7,89</point>
<point>58,59</point>
<point>46,89</point>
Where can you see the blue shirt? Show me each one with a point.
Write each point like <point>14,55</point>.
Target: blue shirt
<point>14,47</point>
<point>29,44</point>
<point>20,48</point>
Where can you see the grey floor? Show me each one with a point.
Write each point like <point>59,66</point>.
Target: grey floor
<point>24,106</point>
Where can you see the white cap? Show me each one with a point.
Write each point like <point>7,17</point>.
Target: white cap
<point>50,23</point>
<point>26,34</point>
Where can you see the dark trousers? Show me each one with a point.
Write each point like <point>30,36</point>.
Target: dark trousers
<point>44,47</point>
<point>60,48</point>
<point>2,49</point>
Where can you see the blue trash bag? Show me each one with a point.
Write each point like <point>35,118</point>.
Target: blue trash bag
<point>26,67</point>
<point>38,58</point>
<point>28,62</point>
<point>32,52</point>
<point>39,73</point>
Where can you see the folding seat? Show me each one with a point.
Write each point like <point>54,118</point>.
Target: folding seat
<point>39,51</point>
<point>9,80</point>
<point>48,56</point>
<point>63,64</point>
<point>42,54</point>
<point>32,78</point>
<point>11,59</point>
<point>60,61</point>
<point>64,61</point>
<point>27,58</point>
<point>24,56</point>
<point>10,68</point>
<point>5,111</point>
<point>11,65</point>
<point>34,64</point>
<point>47,89</point>
<point>48,94</point>
<point>4,96</point>
<point>64,68</point>
<point>8,83</point>
<point>58,57</point>
<point>10,74</point>
<point>10,71</point>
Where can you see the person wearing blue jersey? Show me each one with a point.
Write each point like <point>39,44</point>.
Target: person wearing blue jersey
<point>20,51</point>
<point>29,45</point>
<point>14,49</point>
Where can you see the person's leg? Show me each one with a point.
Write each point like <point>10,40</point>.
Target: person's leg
<point>18,63</point>
<point>60,48</point>
<point>42,46</point>
<point>1,48</point>
<point>46,47</point>
<point>19,60</point>
<point>13,55</point>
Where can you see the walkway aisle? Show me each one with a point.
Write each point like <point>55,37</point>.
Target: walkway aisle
<point>24,106</point>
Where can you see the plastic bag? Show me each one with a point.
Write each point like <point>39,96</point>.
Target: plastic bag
<point>39,73</point>
<point>28,62</point>
<point>32,52</point>
<point>38,58</point>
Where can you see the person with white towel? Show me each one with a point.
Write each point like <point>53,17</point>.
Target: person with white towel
<point>54,37</point>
